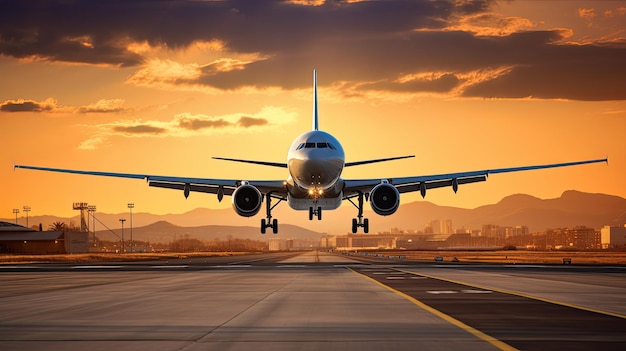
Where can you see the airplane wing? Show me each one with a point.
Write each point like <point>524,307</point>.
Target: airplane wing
<point>423,183</point>
<point>220,187</point>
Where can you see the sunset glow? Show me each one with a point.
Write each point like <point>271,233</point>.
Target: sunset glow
<point>159,87</point>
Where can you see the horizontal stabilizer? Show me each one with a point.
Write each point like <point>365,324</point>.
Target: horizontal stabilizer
<point>264,163</point>
<point>358,163</point>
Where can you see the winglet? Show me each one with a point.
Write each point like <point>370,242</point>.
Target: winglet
<point>315,124</point>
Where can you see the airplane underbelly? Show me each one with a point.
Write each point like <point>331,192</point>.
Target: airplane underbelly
<point>326,203</point>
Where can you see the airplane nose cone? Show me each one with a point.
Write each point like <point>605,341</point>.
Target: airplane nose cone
<point>321,173</point>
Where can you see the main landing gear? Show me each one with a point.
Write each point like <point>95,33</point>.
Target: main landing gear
<point>268,222</point>
<point>360,221</point>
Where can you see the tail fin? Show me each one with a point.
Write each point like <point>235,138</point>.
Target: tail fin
<point>315,124</point>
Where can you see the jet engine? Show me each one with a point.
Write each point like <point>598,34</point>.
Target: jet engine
<point>384,199</point>
<point>247,200</point>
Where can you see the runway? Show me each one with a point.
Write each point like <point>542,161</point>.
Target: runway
<point>310,301</point>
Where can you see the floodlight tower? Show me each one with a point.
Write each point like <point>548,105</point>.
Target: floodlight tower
<point>16,211</point>
<point>91,209</point>
<point>27,209</point>
<point>82,207</point>
<point>122,220</point>
<point>130,207</point>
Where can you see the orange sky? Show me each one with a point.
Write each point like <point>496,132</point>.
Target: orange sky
<point>462,85</point>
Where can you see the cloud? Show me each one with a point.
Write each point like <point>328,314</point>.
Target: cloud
<point>201,122</point>
<point>586,13</point>
<point>271,44</point>
<point>22,105</point>
<point>104,106</point>
<point>139,129</point>
<point>490,24</point>
<point>51,105</point>
<point>247,122</point>
<point>187,125</point>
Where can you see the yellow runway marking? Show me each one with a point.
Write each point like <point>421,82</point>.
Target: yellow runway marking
<point>488,338</point>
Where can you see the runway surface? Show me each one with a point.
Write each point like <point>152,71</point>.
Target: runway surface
<point>310,301</point>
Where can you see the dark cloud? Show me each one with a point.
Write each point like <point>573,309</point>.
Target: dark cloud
<point>27,106</point>
<point>369,41</point>
<point>438,84</point>
<point>140,129</point>
<point>554,80</point>
<point>248,122</point>
<point>96,31</point>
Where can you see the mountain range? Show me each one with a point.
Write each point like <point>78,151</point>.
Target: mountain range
<point>571,209</point>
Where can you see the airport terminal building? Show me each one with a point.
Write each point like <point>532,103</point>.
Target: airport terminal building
<point>15,239</point>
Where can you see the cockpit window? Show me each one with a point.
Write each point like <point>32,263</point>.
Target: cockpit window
<point>316,145</point>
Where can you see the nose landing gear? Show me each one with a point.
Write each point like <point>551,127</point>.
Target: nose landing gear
<point>315,212</point>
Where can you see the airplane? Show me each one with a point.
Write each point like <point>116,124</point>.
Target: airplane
<point>315,162</point>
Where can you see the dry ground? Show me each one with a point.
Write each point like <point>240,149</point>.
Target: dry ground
<point>518,256</point>
<point>107,257</point>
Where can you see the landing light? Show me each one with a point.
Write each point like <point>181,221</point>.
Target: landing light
<point>321,191</point>
<point>310,191</point>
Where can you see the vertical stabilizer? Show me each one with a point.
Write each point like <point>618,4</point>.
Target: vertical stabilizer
<point>315,125</point>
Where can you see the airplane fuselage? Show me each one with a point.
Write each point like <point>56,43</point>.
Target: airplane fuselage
<point>315,162</point>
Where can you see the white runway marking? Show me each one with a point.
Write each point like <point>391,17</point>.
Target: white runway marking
<point>97,267</point>
<point>168,267</point>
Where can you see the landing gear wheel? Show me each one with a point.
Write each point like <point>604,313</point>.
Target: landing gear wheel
<point>310,213</point>
<point>268,222</point>
<point>319,213</point>
<point>360,221</point>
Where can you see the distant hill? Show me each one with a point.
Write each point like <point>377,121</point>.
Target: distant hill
<point>165,232</point>
<point>572,208</point>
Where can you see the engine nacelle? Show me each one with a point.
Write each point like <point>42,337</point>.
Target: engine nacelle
<point>385,199</point>
<point>247,200</point>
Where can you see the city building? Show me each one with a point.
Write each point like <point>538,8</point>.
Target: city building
<point>276,244</point>
<point>612,237</point>
<point>440,226</point>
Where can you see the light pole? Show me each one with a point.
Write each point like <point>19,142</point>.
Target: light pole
<point>122,220</point>
<point>16,211</point>
<point>26,209</point>
<point>130,207</point>
<point>92,209</point>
